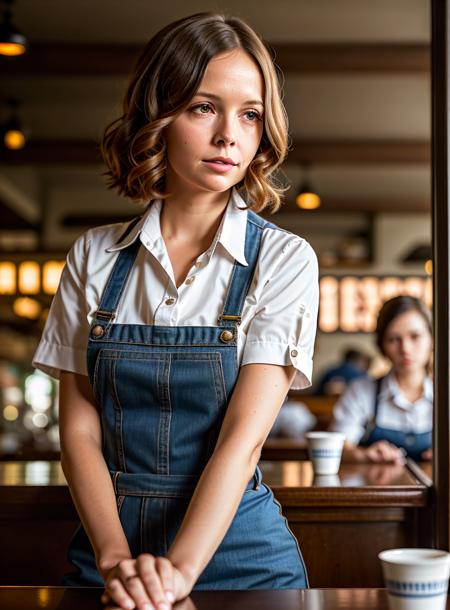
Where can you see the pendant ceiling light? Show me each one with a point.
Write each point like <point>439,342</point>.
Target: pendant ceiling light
<point>307,198</point>
<point>13,134</point>
<point>12,41</point>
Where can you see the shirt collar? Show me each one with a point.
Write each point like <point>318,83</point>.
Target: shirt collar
<point>389,387</point>
<point>231,232</point>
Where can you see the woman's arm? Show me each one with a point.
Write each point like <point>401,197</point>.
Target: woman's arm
<point>86,471</point>
<point>253,407</point>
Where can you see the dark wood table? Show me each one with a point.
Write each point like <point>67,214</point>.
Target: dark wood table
<point>363,510</point>
<point>58,598</point>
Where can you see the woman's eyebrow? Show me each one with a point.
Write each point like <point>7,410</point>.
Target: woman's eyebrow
<point>213,96</point>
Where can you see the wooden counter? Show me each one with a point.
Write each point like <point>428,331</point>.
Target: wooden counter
<point>366,509</point>
<point>58,598</point>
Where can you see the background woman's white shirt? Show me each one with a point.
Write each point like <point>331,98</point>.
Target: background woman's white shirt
<point>279,316</point>
<point>355,408</point>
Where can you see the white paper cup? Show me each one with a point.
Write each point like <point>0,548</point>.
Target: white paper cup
<point>416,579</point>
<point>325,451</point>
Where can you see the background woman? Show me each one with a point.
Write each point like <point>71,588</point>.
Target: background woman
<point>391,417</point>
<point>195,318</point>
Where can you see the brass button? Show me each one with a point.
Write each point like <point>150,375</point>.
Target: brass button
<point>226,336</point>
<point>170,301</point>
<point>98,331</point>
<point>294,353</point>
<point>190,280</point>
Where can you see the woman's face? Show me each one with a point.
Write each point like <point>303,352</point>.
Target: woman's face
<point>211,143</point>
<point>407,342</point>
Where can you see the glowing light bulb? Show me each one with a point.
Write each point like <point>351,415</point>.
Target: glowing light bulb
<point>14,139</point>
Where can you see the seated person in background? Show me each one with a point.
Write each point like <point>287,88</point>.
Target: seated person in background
<point>388,418</point>
<point>334,381</point>
<point>293,420</point>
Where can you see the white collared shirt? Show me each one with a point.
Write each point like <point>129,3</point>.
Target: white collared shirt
<point>280,312</point>
<point>355,408</point>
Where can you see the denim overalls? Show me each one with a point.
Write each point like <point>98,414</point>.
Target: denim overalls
<point>413,443</point>
<point>163,392</point>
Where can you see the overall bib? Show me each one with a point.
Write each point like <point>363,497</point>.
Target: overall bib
<point>412,442</point>
<point>163,392</point>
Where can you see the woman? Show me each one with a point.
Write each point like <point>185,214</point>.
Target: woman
<point>196,317</point>
<point>391,417</point>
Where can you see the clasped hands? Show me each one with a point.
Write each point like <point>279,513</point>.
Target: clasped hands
<point>145,583</point>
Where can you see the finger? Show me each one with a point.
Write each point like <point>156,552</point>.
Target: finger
<point>151,580</point>
<point>137,591</point>
<point>117,593</point>
<point>105,598</point>
<point>397,454</point>
<point>375,453</point>
<point>386,452</point>
<point>165,570</point>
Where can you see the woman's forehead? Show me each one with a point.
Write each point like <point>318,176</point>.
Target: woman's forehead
<point>236,72</point>
<point>407,321</point>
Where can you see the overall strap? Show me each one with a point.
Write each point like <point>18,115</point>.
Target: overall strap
<point>241,276</point>
<point>116,283</point>
<point>377,398</point>
<point>365,441</point>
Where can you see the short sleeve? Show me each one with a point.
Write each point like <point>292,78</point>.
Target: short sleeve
<point>65,335</point>
<point>354,410</point>
<point>283,328</point>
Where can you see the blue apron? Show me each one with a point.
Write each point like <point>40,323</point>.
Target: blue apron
<point>414,443</point>
<point>163,392</point>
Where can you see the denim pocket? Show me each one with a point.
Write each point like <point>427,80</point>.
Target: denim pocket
<point>161,410</point>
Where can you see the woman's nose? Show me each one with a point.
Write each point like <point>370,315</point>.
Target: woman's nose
<point>225,133</point>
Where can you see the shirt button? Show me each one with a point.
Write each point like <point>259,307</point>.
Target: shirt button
<point>199,264</point>
<point>190,280</point>
<point>170,301</point>
<point>294,353</point>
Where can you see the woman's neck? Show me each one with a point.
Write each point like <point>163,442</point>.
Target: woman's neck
<point>411,382</point>
<point>192,219</point>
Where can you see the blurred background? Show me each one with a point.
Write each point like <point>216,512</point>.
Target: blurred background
<point>357,91</point>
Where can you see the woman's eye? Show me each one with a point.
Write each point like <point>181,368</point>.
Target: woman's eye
<point>202,108</point>
<point>252,115</point>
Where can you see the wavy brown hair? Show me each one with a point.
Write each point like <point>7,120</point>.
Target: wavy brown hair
<point>165,78</point>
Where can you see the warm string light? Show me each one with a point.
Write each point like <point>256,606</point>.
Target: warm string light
<point>350,303</point>
<point>30,277</point>
<point>8,284</point>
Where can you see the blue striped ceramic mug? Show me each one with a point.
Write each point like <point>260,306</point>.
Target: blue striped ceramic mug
<point>416,579</point>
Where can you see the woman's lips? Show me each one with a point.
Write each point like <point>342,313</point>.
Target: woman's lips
<point>219,166</point>
<point>407,361</point>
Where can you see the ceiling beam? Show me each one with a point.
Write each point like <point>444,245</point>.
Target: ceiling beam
<point>360,152</point>
<point>23,209</point>
<point>61,59</point>
<point>87,152</point>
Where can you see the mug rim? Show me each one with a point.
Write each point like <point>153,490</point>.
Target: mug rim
<point>325,434</point>
<point>404,556</point>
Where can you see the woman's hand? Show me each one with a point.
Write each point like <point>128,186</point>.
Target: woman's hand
<point>380,452</point>
<point>427,455</point>
<point>145,583</point>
